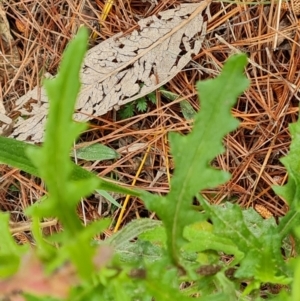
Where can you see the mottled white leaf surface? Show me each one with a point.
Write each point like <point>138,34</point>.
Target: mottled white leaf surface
<point>124,68</point>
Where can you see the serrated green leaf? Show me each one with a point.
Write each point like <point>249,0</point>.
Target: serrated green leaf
<point>95,152</point>
<point>60,133</point>
<point>64,192</point>
<point>193,153</point>
<point>141,104</point>
<point>152,97</point>
<point>203,231</point>
<point>127,111</point>
<point>256,224</point>
<point>262,259</point>
<point>291,191</point>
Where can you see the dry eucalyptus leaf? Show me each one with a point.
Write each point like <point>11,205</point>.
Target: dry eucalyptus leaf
<point>124,68</point>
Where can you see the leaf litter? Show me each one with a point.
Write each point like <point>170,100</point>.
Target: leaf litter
<point>124,68</point>
<point>264,110</point>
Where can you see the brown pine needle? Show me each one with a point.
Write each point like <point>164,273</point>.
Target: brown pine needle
<point>120,218</point>
<point>107,7</point>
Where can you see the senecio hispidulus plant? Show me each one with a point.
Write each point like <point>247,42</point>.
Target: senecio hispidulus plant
<point>176,258</point>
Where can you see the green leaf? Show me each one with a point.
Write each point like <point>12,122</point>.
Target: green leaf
<point>262,258</point>
<point>10,252</point>
<point>95,152</point>
<point>187,110</point>
<point>80,247</point>
<point>210,241</point>
<point>13,153</point>
<point>141,249</point>
<point>291,191</point>
<point>168,94</point>
<point>30,297</point>
<point>132,230</point>
<point>127,111</point>
<point>55,167</point>
<point>296,287</point>
<point>256,224</point>
<point>106,195</point>
<point>226,286</point>
<point>60,133</point>
<point>193,153</point>
<point>45,251</point>
<point>152,97</point>
<point>156,236</point>
<point>161,283</point>
<point>141,104</point>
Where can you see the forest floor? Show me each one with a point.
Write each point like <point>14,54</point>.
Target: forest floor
<point>267,33</point>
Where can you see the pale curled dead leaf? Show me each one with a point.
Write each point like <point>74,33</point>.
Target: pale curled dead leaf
<point>32,278</point>
<point>124,68</point>
<point>135,147</point>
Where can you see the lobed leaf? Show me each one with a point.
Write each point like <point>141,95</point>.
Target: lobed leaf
<point>262,259</point>
<point>193,153</point>
<point>291,191</point>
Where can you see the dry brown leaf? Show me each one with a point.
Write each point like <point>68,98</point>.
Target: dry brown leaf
<point>124,68</point>
<point>31,277</point>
